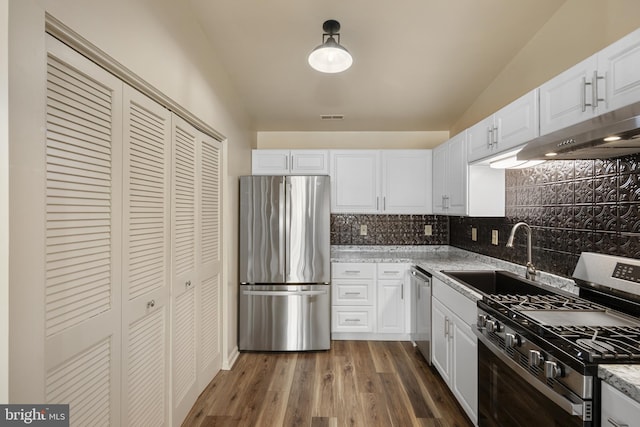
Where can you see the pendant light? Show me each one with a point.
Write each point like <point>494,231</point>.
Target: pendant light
<point>330,56</point>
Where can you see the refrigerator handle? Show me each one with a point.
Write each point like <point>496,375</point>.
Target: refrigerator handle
<point>287,230</point>
<point>282,234</point>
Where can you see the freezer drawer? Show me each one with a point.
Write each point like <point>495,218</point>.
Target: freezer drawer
<point>284,317</point>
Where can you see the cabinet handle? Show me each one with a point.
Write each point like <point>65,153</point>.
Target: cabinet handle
<point>384,203</point>
<point>352,293</point>
<point>594,88</point>
<point>615,423</point>
<point>391,272</point>
<point>585,83</point>
<point>402,291</point>
<point>187,284</point>
<point>286,163</point>
<point>377,202</point>
<point>352,271</point>
<point>446,326</point>
<point>151,304</point>
<point>489,137</point>
<point>495,135</point>
<point>352,320</point>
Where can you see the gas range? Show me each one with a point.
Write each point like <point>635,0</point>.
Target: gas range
<point>556,341</point>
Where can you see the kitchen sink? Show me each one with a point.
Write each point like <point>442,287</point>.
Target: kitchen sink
<point>498,282</point>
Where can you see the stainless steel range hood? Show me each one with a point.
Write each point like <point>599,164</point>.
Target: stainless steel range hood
<point>586,140</point>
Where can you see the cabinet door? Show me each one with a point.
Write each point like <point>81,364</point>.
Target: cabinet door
<point>619,64</point>
<point>406,182</point>
<point>145,259</point>
<point>465,368</point>
<point>457,170</point>
<point>354,181</point>
<point>517,123</point>
<point>481,138</point>
<point>309,162</point>
<point>440,159</point>
<point>391,306</point>
<point>440,347</point>
<point>270,162</point>
<point>567,98</point>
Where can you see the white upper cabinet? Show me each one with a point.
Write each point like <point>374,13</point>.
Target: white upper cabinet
<point>381,181</point>
<point>354,181</point>
<point>603,82</point>
<point>461,189</point>
<point>508,128</point>
<point>619,63</point>
<point>450,177</point>
<point>406,182</point>
<point>567,98</point>
<point>290,162</point>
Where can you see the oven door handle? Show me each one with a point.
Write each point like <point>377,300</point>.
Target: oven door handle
<point>564,403</point>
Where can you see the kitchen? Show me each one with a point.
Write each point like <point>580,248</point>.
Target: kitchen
<point>209,95</point>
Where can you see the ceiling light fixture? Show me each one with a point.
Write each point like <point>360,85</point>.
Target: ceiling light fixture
<point>330,56</point>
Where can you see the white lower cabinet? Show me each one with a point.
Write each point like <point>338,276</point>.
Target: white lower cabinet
<point>369,301</point>
<point>454,346</point>
<point>392,308</point>
<point>618,409</point>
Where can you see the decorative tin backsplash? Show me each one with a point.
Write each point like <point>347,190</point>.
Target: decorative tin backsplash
<point>346,229</point>
<point>572,207</point>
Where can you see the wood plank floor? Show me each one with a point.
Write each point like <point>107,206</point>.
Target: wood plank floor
<point>356,383</point>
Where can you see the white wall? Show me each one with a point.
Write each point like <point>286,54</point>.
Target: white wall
<point>4,201</point>
<point>351,140</point>
<point>158,40</point>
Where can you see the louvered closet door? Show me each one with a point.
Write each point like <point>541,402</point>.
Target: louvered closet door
<point>145,260</point>
<point>83,228</point>
<point>184,221</point>
<point>209,260</point>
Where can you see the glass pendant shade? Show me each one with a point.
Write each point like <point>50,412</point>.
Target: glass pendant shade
<point>330,57</point>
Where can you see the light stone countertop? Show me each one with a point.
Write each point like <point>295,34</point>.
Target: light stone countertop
<point>434,259</point>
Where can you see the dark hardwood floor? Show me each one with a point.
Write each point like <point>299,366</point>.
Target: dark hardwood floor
<point>356,383</point>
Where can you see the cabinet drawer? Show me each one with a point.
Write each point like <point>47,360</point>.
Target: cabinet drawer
<point>618,408</point>
<point>349,270</point>
<point>352,319</point>
<point>354,292</point>
<point>391,270</point>
<point>465,308</point>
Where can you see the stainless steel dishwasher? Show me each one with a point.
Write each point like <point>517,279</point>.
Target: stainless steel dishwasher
<point>421,311</point>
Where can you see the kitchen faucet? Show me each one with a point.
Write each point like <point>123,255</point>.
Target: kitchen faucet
<point>531,270</point>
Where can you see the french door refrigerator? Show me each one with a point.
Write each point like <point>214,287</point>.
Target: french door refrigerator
<point>284,301</point>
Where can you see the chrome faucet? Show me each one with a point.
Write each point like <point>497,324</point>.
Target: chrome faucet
<point>531,270</point>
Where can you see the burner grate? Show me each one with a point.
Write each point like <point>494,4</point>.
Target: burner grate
<point>544,302</point>
<point>603,343</point>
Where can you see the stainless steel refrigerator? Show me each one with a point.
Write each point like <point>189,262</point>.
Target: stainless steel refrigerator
<point>284,301</point>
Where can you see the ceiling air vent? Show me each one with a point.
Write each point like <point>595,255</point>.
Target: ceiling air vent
<point>332,117</point>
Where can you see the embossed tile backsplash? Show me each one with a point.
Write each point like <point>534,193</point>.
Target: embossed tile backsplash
<point>572,206</point>
<point>389,229</point>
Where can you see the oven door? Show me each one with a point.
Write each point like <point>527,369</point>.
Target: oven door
<point>506,398</point>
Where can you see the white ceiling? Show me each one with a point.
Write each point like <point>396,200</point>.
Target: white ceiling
<point>418,64</point>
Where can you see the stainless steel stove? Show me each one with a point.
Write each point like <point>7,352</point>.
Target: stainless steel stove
<point>539,353</point>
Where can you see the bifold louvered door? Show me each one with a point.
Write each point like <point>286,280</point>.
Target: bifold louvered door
<point>83,228</point>
<point>184,275</point>
<point>133,270</point>
<point>145,260</point>
<point>196,266</point>
<point>209,261</point>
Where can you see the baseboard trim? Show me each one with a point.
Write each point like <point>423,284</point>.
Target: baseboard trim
<point>231,359</point>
